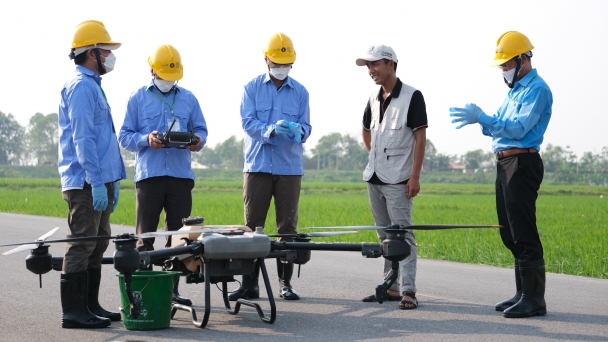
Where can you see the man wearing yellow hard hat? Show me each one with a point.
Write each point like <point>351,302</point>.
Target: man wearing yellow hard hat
<point>90,167</point>
<point>517,131</point>
<point>275,116</point>
<point>163,168</point>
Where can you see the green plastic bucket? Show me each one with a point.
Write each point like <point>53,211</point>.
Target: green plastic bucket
<point>155,290</point>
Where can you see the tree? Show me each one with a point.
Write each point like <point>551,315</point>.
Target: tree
<point>207,157</point>
<point>355,155</point>
<point>328,151</point>
<point>12,150</point>
<point>561,162</point>
<point>338,152</point>
<point>225,155</point>
<point>230,153</point>
<point>477,159</point>
<point>434,161</point>
<point>553,157</point>
<point>42,139</point>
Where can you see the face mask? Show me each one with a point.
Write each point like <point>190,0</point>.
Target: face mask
<point>164,86</point>
<point>110,62</point>
<point>508,75</point>
<point>279,73</point>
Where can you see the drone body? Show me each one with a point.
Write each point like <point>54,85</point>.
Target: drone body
<point>218,254</point>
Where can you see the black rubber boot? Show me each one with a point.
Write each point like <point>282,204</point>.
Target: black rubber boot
<point>505,304</point>
<point>249,288</point>
<point>532,301</point>
<point>94,277</point>
<point>179,299</point>
<point>285,272</point>
<point>74,297</point>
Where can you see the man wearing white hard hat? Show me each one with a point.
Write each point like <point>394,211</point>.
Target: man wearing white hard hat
<point>90,167</point>
<point>394,134</point>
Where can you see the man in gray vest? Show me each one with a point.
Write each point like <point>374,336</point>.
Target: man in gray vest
<point>394,134</point>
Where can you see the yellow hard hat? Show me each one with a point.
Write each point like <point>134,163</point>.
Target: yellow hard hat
<point>280,49</point>
<point>167,63</point>
<point>509,45</point>
<point>91,32</point>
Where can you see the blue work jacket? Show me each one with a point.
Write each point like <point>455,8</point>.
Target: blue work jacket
<point>262,105</point>
<point>88,150</point>
<point>148,110</point>
<point>523,118</point>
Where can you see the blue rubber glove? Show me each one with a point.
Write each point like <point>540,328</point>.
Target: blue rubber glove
<point>468,115</point>
<point>281,127</point>
<point>297,130</point>
<point>116,194</point>
<point>100,198</point>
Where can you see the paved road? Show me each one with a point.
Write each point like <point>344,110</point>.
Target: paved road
<point>456,303</point>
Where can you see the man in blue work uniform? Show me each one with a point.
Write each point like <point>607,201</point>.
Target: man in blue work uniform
<point>163,176</point>
<point>90,167</point>
<point>275,116</point>
<point>517,131</point>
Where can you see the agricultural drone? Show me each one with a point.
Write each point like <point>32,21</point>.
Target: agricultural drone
<point>215,254</point>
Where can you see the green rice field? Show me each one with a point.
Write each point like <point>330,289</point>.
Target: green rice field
<point>572,220</point>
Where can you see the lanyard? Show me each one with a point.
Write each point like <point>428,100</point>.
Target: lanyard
<point>520,90</point>
<point>104,96</point>
<point>171,106</point>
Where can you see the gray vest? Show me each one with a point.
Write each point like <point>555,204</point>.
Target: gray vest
<point>392,143</point>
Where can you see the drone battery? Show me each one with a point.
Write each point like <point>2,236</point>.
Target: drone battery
<point>245,246</point>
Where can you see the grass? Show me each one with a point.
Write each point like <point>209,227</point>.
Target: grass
<point>571,219</point>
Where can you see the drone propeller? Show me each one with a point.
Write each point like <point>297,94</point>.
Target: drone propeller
<point>33,245</point>
<point>416,226</point>
<point>224,226</point>
<point>318,234</point>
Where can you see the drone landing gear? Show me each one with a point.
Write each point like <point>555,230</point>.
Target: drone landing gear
<point>258,308</point>
<point>382,289</point>
<point>202,324</point>
<point>208,265</point>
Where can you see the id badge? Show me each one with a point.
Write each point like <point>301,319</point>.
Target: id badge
<point>176,126</point>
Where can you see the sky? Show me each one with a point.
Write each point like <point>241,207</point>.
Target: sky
<point>444,50</point>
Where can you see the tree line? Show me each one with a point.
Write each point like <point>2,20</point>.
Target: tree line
<point>36,144</point>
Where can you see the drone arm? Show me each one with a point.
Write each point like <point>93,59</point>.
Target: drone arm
<point>280,245</point>
<point>57,262</point>
<point>194,249</point>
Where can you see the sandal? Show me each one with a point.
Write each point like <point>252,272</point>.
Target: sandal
<point>408,304</point>
<point>372,298</point>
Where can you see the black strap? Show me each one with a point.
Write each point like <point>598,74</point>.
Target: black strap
<point>100,67</point>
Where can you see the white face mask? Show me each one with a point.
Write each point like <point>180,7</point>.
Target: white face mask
<point>508,75</point>
<point>110,62</point>
<point>164,86</point>
<point>279,73</point>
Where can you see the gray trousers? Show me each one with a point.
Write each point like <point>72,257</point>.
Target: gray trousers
<point>258,190</point>
<point>390,205</point>
<point>84,221</point>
